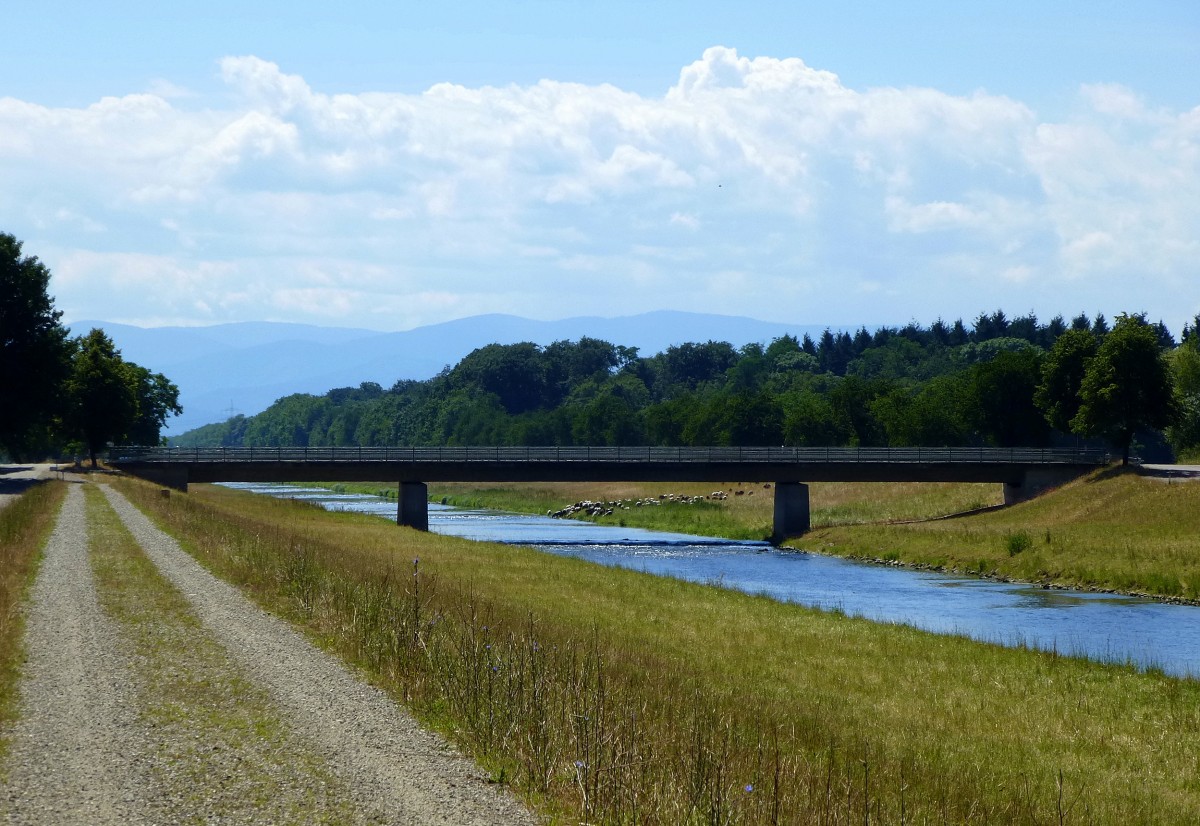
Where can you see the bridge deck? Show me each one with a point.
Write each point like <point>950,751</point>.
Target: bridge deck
<point>1022,470</point>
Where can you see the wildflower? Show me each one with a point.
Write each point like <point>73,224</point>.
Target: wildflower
<point>749,788</point>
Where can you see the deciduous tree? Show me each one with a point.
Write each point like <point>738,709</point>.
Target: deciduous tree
<point>1062,375</point>
<point>34,348</point>
<point>1184,434</point>
<point>157,400</point>
<point>1127,386</point>
<point>102,400</point>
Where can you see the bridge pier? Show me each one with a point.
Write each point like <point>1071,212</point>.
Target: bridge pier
<point>412,505</point>
<point>791,511</point>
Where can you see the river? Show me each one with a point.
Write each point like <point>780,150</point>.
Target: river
<point>1105,627</point>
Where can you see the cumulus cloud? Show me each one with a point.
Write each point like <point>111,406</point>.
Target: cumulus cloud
<point>769,187</point>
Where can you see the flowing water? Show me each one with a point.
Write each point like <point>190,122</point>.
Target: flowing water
<point>1106,627</point>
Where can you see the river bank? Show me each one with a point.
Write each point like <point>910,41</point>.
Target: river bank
<point>1110,532</point>
<point>613,696</point>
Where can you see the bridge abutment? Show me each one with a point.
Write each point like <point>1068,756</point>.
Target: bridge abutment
<point>1038,480</point>
<point>412,505</point>
<point>170,476</point>
<point>791,511</point>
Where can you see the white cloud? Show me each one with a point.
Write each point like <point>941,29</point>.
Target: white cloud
<point>685,220</point>
<point>811,197</point>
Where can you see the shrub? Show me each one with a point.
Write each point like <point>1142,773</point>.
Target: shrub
<point>1017,542</point>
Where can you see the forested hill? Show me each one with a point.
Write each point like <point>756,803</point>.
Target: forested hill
<point>999,381</point>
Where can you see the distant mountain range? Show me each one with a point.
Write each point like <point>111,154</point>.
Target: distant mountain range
<point>242,368</point>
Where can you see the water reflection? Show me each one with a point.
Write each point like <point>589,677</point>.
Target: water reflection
<point>1101,626</point>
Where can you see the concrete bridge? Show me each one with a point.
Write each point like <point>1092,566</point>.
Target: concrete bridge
<point>1023,471</point>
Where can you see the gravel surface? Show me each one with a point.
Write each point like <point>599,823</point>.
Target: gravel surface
<point>75,748</point>
<point>390,768</point>
<point>134,712</point>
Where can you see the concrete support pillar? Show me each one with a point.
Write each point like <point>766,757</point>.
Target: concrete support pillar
<point>412,505</point>
<point>791,510</point>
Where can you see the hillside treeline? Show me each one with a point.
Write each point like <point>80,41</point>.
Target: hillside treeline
<point>999,381</point>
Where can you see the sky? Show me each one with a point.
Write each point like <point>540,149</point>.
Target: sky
<point>389,166</point>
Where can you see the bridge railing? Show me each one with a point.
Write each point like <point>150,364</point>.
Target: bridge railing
<point>641,455</point>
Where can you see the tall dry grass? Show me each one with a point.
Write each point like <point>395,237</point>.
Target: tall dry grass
<point>609,696</point>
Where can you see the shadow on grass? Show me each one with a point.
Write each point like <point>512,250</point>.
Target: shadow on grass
<point>1110,472</point>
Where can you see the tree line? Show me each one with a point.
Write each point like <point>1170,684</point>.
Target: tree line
<point>64,394</point>
<point>997,381</point>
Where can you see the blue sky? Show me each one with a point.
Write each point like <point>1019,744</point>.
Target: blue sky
<point>392,165</point>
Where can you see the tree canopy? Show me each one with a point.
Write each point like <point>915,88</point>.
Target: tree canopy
<point>35,351</point>
<point>1012,381</point>
<point>58,389</point>
<point>1127,385</point>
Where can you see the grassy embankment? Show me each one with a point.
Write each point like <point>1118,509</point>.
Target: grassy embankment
<point>24,526</point>
<point>1112,530</point>
<point>612,696</point>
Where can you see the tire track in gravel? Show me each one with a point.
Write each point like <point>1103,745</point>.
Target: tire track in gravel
<point>219,749</point>
<point>386,761</point>
<point>76,744</point>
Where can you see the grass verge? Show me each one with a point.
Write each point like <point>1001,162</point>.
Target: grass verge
<point>24,526</point>
<point>225,752</point>
<point>610,696</point>
<point>1111,530</point>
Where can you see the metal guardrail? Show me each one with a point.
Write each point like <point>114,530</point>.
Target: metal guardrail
<point>640,455</point>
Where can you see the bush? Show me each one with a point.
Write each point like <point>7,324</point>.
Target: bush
<point>1017,542</point>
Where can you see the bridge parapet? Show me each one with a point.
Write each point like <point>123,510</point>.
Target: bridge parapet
<point>633,455</point>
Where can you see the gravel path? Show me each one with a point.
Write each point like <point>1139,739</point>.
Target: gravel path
<point>389,766</point>
<point>75,745</point>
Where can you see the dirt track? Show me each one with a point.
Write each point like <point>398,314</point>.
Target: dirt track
<point>320,746</point>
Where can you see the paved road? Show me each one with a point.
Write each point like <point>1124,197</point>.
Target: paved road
<point>1171,471</point>
<point>15,479</point>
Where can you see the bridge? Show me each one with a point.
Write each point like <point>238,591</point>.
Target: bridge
<point>1024,472</point>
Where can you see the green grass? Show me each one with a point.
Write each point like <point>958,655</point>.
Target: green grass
<point>1112,530</point>
<point>25,525</point>
<point>610,696</point>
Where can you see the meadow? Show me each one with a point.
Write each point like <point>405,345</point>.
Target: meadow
<point>610,696</point>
